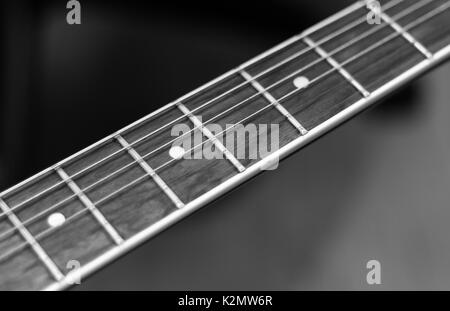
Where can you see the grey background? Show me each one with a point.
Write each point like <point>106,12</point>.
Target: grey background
<point>375,188</point>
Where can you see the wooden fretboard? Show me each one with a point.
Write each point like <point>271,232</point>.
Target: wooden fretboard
<point>116,194</point>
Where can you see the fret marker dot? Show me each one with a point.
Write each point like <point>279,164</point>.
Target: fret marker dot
<point>176,152</point>
<point>301,82</point>
<point>56,219</point>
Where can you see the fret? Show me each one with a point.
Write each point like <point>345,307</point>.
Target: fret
<point>135,207</point>
<point>235,109</point>
<point>211,137</point>
<point>326,94</point>
<point>59,199</point>
<point>151,172</point>
<point>91,207</point>
<point>405,34</point>
<point>337,66</point>
<point>68,240</point>
<point>377,53</point>
<point>432,33</point>
<point>274,102</point>
<point>128,187</point>
<point>42,255</point>
<point>186,176</point>
<point>20,270</point>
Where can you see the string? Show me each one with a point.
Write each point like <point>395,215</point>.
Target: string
<point>292,57</point>
<point>134,163</point>
<point>100,181</point>
<point>394,35</point>
<point>346,62</point>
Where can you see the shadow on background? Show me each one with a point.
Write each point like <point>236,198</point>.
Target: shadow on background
<point>376,188</point>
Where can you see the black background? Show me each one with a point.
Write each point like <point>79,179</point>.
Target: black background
<point>377,188</point>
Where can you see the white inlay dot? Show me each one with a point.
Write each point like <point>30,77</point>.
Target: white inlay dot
<point>301,82</point>
<point>56,219</point>
<point>176,152</point>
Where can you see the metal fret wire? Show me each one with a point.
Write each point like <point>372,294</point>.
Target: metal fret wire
<point>346,62</point>
<point>140,140</point>
<point>389,5</point>
<point>100,181</point>
<point>74,216</point>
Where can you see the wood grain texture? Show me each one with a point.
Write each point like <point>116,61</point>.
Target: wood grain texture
<point>375,66</point>
<point>61,244</point>
<point>236,108</point>
<point>434,33</point>
<point>24,270</point>
<point>133,209</point>
<point>137,207</point>
<point>327,94</point>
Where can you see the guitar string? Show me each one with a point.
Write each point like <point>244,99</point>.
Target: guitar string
<point>160,147</point>
<point>133,163</point>
<point>48,231</point>
<point>90,186</point>
<point>346,62</point>
<point>173,121</point>
<point>140,140</point>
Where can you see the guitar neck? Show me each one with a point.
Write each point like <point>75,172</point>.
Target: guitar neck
<point>105,200</point>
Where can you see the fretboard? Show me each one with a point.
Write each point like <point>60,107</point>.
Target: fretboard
<point>116,194</point>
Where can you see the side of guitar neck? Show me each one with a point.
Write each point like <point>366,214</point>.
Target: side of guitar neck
<point>107,199</point>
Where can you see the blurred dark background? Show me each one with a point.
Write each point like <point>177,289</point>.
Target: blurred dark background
<point>312,224</point>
